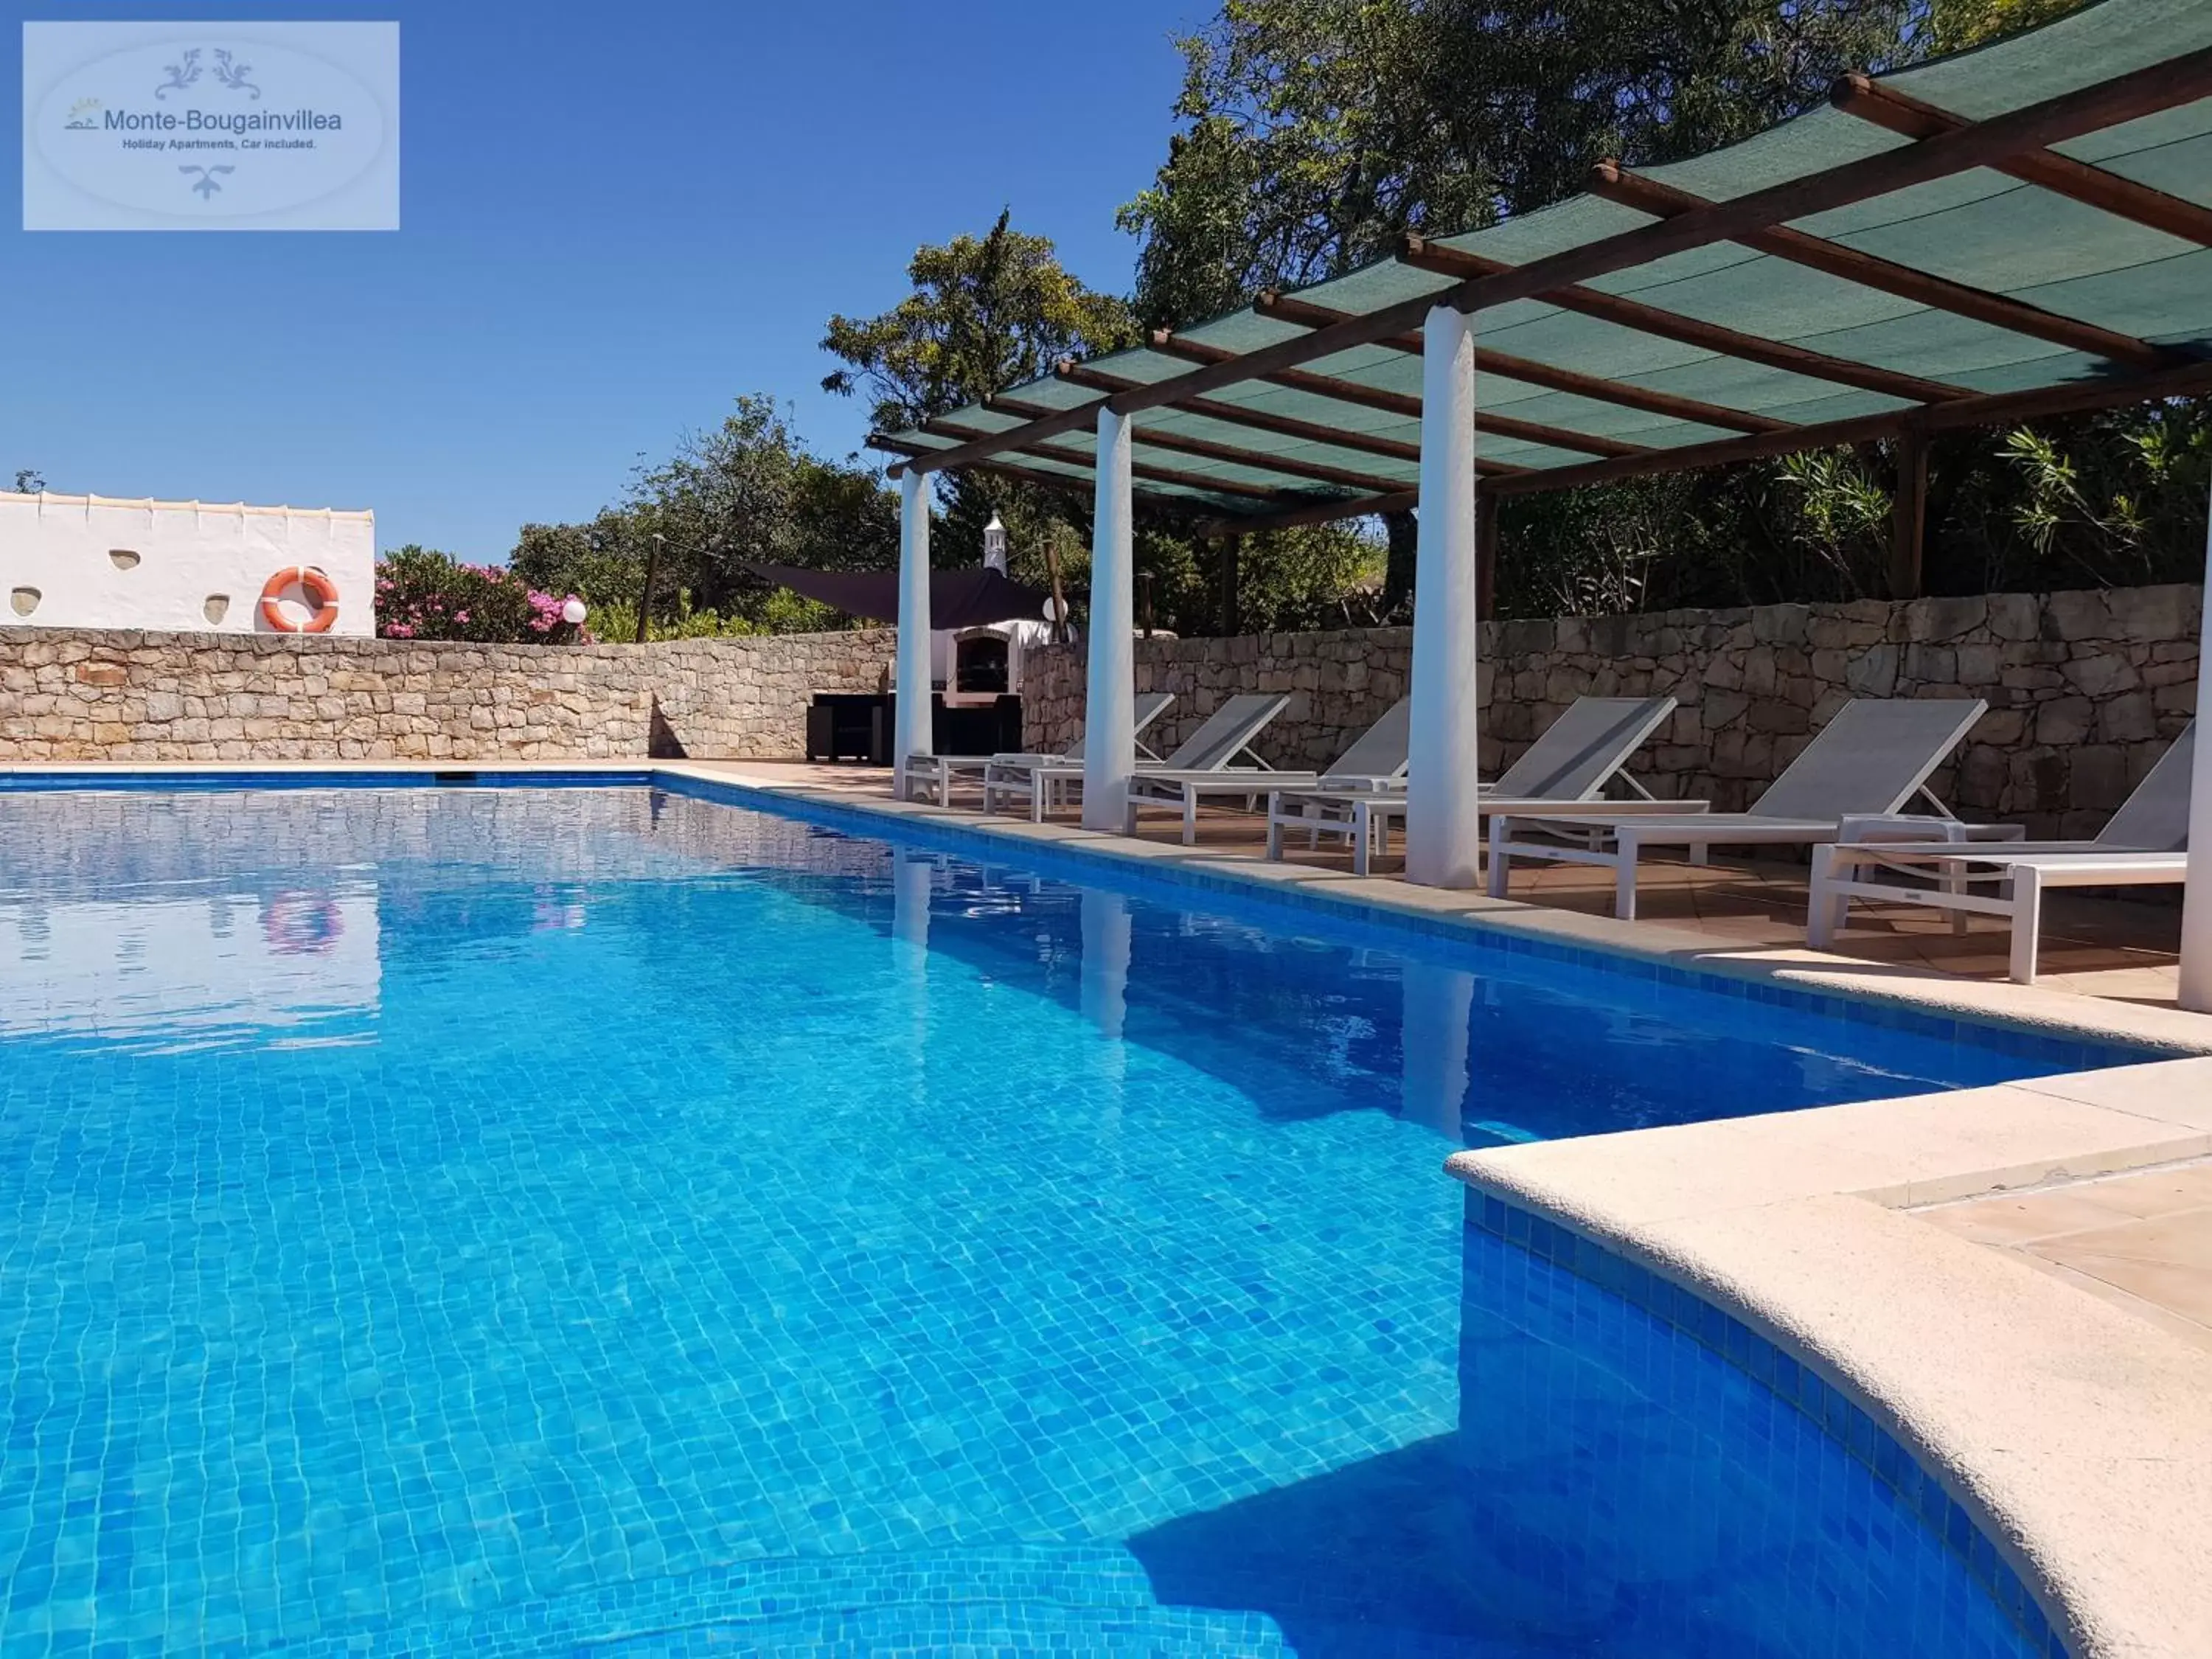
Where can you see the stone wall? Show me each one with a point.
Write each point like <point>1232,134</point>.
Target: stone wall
<point>2085,690</point>
<point>134,697</point>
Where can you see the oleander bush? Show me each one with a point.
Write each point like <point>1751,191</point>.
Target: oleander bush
<point>424,594</point>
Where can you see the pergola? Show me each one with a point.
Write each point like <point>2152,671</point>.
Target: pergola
<point>2015,232</point>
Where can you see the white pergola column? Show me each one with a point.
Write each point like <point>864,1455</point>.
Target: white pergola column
<point>1443,828</point>
<point>911,731</point>
<point>2197,899</point>
<point>1109,713</point>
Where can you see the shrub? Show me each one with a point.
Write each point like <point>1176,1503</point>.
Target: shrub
<point>423,594</point>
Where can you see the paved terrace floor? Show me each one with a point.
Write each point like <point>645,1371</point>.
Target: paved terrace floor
<point>2124,950</point>
<point>2143,1242</point>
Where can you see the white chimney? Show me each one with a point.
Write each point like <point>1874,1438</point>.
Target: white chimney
<point>995,546</point>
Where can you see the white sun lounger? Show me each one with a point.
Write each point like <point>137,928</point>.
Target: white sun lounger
<point>1376,759</point>
<point>1872,757</point>
<point>1565,769</point>
<point>2145,844</point>
<point>935,775</point>
<point>1225,736</point>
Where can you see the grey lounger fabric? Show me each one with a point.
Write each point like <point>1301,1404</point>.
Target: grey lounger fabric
<point>1873,756</point>
<point>2145,843</point>
<point>1375,760</point>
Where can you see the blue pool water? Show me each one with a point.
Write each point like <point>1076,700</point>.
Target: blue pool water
<point>601,1221</point>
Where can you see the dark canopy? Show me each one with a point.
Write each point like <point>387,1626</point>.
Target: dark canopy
<point>958,598</point>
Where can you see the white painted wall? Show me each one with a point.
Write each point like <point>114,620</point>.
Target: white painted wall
<point>59,548</point>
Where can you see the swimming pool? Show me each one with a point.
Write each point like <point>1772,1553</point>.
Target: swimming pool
<point>516,1219</point>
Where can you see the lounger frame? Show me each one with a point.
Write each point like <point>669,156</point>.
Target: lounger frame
<point>2018,881</point>
<point>1566,771</point>
<point>1052,783</point>
<point>1584,840</point>
<point>931,777</point>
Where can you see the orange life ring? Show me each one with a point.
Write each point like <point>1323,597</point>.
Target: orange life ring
<point>315,584</point>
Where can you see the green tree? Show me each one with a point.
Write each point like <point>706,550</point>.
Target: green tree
<point>749,489</point>
<point>987,312</point>
<point>1955,25</point>
<point>1312,133</point>
<point>984,313</point>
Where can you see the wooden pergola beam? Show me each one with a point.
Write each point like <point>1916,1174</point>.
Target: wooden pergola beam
<point>2109,192</point>
<point>2126,97</point>
<point>1167,475</point>
<point>2007,408</point>
<point>1396,403</point>
<point>1425,255</point>
<point>2156,87</point>
<point>1908,513</point>
<point>1319,471</point>
<point>1002,469</point>
<point>1286,426</point>
<point>1305,314</point>
<point>944,427</point>
<point>1616,182</point>
<point>1403,500</point>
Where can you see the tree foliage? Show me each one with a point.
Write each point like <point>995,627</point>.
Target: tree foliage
<point>749,489</point>
<point>1955,25</point>
<point>1311,133</point>
<point>1307,136</point>
<point>987,312</point>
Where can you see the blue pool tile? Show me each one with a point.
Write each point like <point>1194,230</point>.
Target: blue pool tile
<point>500,1220</point>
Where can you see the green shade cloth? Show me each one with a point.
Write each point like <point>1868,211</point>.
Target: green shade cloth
<point>1982,228</point>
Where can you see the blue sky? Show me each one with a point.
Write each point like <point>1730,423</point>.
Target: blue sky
<point>617,217</point>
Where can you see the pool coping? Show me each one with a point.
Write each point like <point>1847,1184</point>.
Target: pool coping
<point>2077,1434</point>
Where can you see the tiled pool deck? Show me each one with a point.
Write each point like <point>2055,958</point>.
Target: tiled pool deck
<point>2044,1362</point>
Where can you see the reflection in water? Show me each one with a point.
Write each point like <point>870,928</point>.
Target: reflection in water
<point>912,873</point>
<point>1106,948</point>
<point>1104,996</point>
<point>1435,1003</point>
<point>156,965</point>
